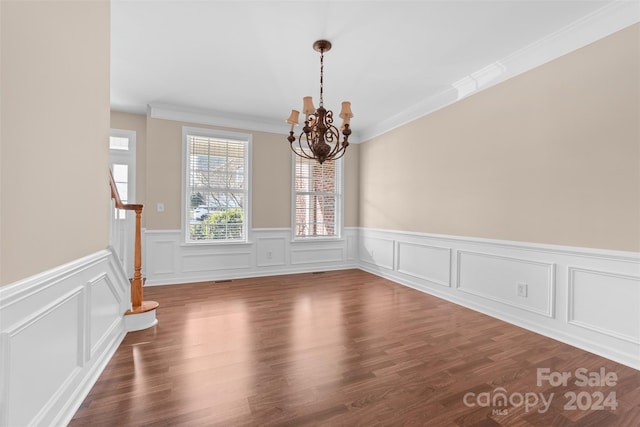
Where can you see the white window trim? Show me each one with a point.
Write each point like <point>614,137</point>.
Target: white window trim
<point>339,205</point>
<point>214,133</point>
<point>128,157</point>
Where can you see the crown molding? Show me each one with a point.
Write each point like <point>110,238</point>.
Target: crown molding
<point>605,21</point>
<point>219,119</point>
<point>213,118</point>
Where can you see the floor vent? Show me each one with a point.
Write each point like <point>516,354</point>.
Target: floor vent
<point>223,281</point>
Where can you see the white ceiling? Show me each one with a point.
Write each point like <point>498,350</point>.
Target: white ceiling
<point>253,61</point>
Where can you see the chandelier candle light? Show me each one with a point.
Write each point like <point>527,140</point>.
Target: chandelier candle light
<point>321,140</point>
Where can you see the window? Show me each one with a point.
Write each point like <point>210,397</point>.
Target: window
<point>122,157</point>
<point>217,178</point>
<point>318,198</point>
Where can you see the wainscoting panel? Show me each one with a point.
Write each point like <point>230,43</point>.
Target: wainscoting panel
<point>352,246</point>
<point>498,278</point>
<point>271,251</point>
<point>29,341</point>
<point>425,262</point>
<point>163,260</point>
<point>214,261</point>
<point>57,332</point>
<point>377,251</point>
<point>585,297</point>
<point>616,315</point>
<point>104,311</point>
<point>316,255</point>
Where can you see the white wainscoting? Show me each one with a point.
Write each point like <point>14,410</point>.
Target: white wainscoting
<point>58,330</point>
<point>610,315</point>
<point>496,277</point>
<point>271,251</point>
<point>584,297</point>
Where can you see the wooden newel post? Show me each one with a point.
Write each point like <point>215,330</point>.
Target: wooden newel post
<point>136,282</point>
<point>138,305</point>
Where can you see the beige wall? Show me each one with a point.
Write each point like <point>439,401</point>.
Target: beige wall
<point>54,137</point>
<point>271,180</point>
<point>270,169</point>
<point>351,164</point>
<point>551,156</point>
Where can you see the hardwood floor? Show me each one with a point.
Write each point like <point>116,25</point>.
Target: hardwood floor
<point>344,349</point>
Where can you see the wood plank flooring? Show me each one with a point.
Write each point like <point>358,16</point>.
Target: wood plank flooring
<point>343,348</point>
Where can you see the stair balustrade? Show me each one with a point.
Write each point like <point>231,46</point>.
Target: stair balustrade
<point>138,305</point>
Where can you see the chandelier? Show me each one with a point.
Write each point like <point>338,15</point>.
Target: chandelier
<point>320,139</point>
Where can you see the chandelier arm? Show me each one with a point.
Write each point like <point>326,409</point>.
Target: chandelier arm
<point>304,153</point>
<point>338,155</point>
<point>333,137</point>
<point>311,122</point>
<point>341,150</point>
<point>341,155</point>
<point>328,119</point>
<point>308,132</point>
<point>337,152</point>
<point>298,148</point>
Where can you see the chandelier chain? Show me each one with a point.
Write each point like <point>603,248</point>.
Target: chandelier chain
<point>321,77</point>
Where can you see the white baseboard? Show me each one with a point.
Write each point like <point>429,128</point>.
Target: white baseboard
<point>587,298</point>
<point>58,330</point>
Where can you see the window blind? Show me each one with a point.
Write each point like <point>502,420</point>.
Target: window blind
<point>317,198</point>
<point>217,188</point>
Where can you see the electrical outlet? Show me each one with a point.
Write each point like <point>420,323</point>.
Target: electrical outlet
<point>269,255</point>
<point>522,289</point>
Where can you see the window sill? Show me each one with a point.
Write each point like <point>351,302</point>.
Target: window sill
<point>213,243</point>
<point>317,239</point>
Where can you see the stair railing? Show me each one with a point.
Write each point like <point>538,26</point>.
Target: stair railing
<point>136,281</point>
